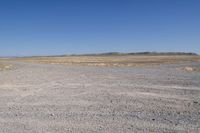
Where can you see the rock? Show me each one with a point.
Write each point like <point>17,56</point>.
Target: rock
<point>195,102</point>
<point>52,114</point>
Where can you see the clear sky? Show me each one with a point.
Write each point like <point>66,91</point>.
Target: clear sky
<point>46,27</point>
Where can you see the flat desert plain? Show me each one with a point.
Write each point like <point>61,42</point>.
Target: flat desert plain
<point>100,94</point>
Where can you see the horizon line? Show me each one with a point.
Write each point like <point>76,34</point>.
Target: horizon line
<point>105,54</point>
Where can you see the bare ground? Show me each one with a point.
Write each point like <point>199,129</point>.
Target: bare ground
<point>56,98</point>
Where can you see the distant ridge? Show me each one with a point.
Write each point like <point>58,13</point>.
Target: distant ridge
<point>111,54</point>
<point>135,53</point>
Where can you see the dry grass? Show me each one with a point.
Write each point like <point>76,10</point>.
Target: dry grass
<point>192,69</point>
<point>128,61</point>
<point>4,66</point>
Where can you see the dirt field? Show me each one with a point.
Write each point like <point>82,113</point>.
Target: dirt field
<point>38,97</point>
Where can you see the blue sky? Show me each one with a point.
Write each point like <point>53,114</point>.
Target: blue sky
<point>46,27</point>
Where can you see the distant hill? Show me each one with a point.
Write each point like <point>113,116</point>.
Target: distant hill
<point>136,53</point>
<point>113,54</point>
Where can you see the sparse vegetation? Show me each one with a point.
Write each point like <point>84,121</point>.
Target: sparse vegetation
<point>192,69</point>
<point>117,60</point>
<point>4,65</point>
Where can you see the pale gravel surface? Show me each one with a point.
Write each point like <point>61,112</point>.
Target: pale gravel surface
<point>42,98</point>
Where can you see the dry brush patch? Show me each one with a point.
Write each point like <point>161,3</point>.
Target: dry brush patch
<point>192,69</point>
<point>128,61</point>
<point>4,65</point>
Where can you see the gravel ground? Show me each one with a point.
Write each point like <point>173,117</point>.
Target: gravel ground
<point>41,98</point>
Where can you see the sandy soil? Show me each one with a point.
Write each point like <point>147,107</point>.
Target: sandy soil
<point>41,98</point>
